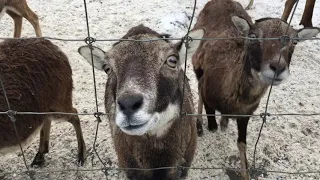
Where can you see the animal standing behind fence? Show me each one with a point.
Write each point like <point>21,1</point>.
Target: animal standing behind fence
<point>18,9</point>
<point>37,77</point>
<point>234,74</point>
<point>306,19</point>
<point>144,90</point>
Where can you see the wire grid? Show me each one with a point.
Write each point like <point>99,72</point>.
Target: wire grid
<point>97,114</point>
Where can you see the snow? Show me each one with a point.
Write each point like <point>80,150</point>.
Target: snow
<point>287,143</point>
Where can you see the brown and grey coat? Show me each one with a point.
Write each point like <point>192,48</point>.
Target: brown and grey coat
<point>144,90</point>
<point>234,73</point>
<point>37,77</point>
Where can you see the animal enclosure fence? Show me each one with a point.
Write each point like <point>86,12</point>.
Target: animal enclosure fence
<point>89,40</point>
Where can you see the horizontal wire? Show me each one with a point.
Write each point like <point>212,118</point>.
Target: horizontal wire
<point>186,114</point>
<point>256,115</point>
<point>56,113</point>
<point>157,39</point>
<point>42,37</point>
<point>162,168</point>
<point>230,115</point>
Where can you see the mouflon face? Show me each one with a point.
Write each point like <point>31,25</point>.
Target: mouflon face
<point>144,79</point>
<point>270,59</point>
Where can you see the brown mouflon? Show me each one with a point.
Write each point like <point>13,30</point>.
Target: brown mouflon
<point>144,91</point>
<point>37,78</point>
<point>18,9</point>
<point>234,74</point>
<point>306,19</point>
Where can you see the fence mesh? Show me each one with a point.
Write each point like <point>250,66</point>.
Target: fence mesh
<point>89,40</point>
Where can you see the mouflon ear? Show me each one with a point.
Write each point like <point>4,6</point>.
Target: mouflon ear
<point>307,33</point>
<point>97,55</point>
<point>241,24</point>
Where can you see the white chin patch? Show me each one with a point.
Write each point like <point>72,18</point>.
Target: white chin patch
<point>141,122</point>
<point>165,120</point>
<point>267,75</point>
<point>138,124</point>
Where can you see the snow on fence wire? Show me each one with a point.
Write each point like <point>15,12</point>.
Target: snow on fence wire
<point>89,41</point>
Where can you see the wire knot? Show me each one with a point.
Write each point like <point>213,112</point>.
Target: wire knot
<point>11,114</point>
<point>183,114</point>
<point>254,173</point>
<point>186,40</point>
<point>97,115</point>
<point>89,40</point>
<point>264,116</point>
<point>105,172</point>
<point>31,174</point>
<point>284,39</point>
<point>179,171</point>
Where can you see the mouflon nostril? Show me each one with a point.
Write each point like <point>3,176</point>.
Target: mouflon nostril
<point>277,68</point>
<point>129,104</point>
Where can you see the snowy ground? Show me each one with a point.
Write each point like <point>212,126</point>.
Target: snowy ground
<point>288,143</point>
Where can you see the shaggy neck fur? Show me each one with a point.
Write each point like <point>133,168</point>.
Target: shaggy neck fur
<point>251,89</point>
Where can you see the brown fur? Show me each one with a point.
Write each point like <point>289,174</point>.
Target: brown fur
<point>18,9</point>
<point>306,19</point>
<point>228,71</point>
<point>222,72</point>
<point>37,78</point>
<point>177,146</point>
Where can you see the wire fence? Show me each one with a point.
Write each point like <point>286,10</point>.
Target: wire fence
<point>89,40</point>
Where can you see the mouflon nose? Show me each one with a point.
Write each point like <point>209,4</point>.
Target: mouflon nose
<point>129,104</point>
<point>278,68</point>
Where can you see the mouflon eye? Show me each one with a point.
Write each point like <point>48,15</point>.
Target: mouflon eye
<point>295,42</point>
<point>172,61</point>
<point>106,68</point>
<point>252,35</point>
